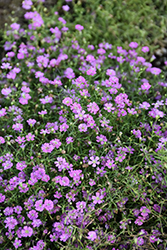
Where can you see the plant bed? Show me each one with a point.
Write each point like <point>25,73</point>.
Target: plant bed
<point>82,140</point>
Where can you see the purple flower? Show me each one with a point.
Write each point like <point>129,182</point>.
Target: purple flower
<point>145,86</point>
<point>18,127</point>
<point>69,140</point>
<point>81,205</point>
<point>31,122</point>
<point>94,161</point>
<point>137,133</point>
<point>67,101</point>
<point>139,221</point>
<point>79,27</point>
<point>32,214</point>
<point>39,206</point>
<point>8,211</point>
<point>36,223</point>
<point>82,127</point>
<point>98,199</point>
<point>6,91</point>
<point>47,148</point>
<point>65,7</point>
<point>30,137</point>
<point>153,239</point>
<point>91,71</point>
<point>69,73</point>
<point>21,165</point>
<point>64,127</point>
<point>56,143</point>
<point>145,49</point>
<point>155,71</point>
<point>133,45</point>
<point>48,205</point>
<point>11,222</point>
<point>144,211</point>
<point>2,112</point>
<point>140,241</point>
<point>26,231</point>
<point>2,140</point>
<point>26,4</point>
<point>17,243</point>
<point>18,209</point>
<point>64,181</point>
<point>92,235</point>
<point>92,182</point>
<point>93,108</point>
<point>2,198</point>
<point>157,208</point>
<point>102,139</point>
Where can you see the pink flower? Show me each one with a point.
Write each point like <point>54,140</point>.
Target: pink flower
<point>64,181</point>
<point>145,86</point>
<point>63,127</point>
<point>48,205</point>
<point>67,101</point>
<point>145,49</point>
<point>92,235</point>
<point>39,206</point>
<point>91,71</point>
<point>30,137</point>
<point>47,148</point>
<point>6,91</point>
<point>2,140</point>
<point>65,7</point>
<point>2,112</point>
<point>133,45</point>
<point>26,231</point>
<point>82,127</point>
<point>155,71</point>
<point>93,108</point>
<point>56,143</point>
<point>79,27</point>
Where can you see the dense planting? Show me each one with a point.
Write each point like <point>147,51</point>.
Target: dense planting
<point>82,140</point>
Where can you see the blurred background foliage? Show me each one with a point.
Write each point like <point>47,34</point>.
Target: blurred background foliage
<point>117,22</point>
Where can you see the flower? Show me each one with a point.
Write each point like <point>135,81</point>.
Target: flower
<point>82,127</point>
<point>2,140</point>
<point>140,241</point>
<point>69,139</point>
<point>6,91</point>
<point>26,231</point>
<point>145,49</point>
<point>26,4</point>
<point>11,222</point>
<point>30,137</point>
<point>47,148</point>
<point>65,7</point>
<point>94,161</point>
<point>133,45</point>
<point>48,205</point>
<point>39,206</point>
<point>93,107</point>
<point>79,27</point>
<point>17,243</point>
<point>92,235</point>
<point>2,198</point>
<point>67,101</point>
<point>98,199</point>
<point>32,214</point>
<point>31,122</point>
<point>64,181</point>
<point>155,71</point>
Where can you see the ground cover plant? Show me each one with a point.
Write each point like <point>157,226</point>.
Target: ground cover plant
<point>82,140</point>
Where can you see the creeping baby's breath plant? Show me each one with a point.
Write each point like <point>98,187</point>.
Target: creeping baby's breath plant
<point>82,141</point>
